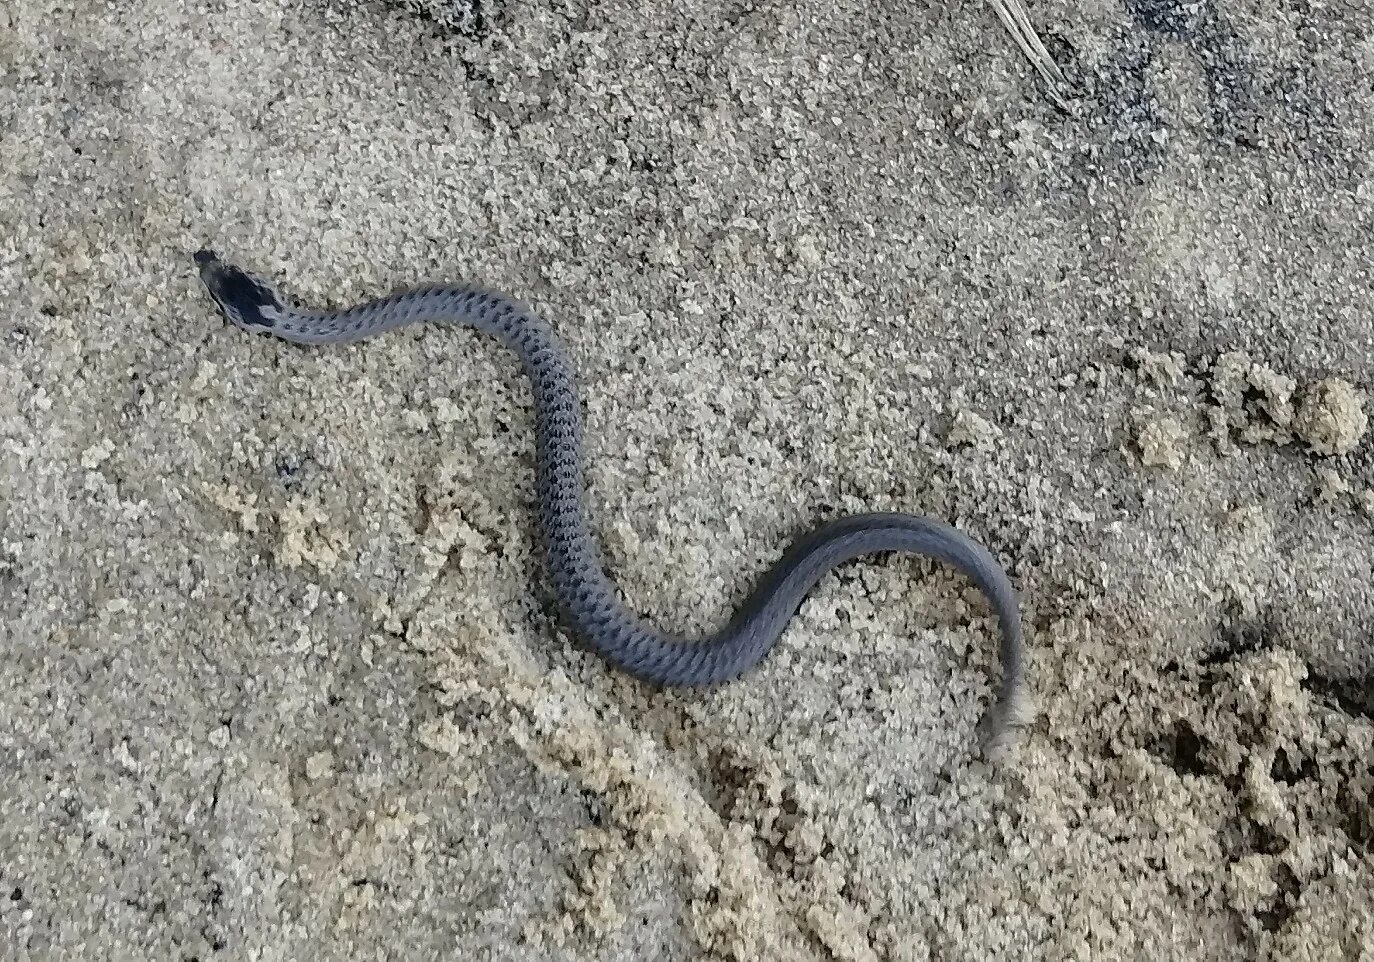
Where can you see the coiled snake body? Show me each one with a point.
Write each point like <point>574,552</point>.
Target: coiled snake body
<point>588,599</point>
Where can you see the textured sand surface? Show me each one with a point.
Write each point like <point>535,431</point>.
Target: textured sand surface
<point>282,679</point>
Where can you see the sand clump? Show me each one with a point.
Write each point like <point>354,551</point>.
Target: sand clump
<point>1258,404</point>
<point>1331,418</point>
<point>1254,401</point>
<point>1161,443</point>
<point>972,430</point>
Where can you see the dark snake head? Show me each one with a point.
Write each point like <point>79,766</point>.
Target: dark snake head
<point>247,301</point>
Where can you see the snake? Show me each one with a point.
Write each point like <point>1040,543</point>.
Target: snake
<point>589,601</point>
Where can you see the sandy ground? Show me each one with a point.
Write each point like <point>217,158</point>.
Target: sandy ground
<point>282,676</point>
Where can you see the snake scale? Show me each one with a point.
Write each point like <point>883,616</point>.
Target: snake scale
<point>588,599</point>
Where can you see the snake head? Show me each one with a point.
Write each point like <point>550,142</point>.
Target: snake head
<point>247,301</point>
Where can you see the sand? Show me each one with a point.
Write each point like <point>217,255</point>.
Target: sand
<point>283,679</point>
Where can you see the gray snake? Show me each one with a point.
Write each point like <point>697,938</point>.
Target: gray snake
<point>588,599</point>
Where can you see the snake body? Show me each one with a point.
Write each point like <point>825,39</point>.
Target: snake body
<point>589,600</point>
